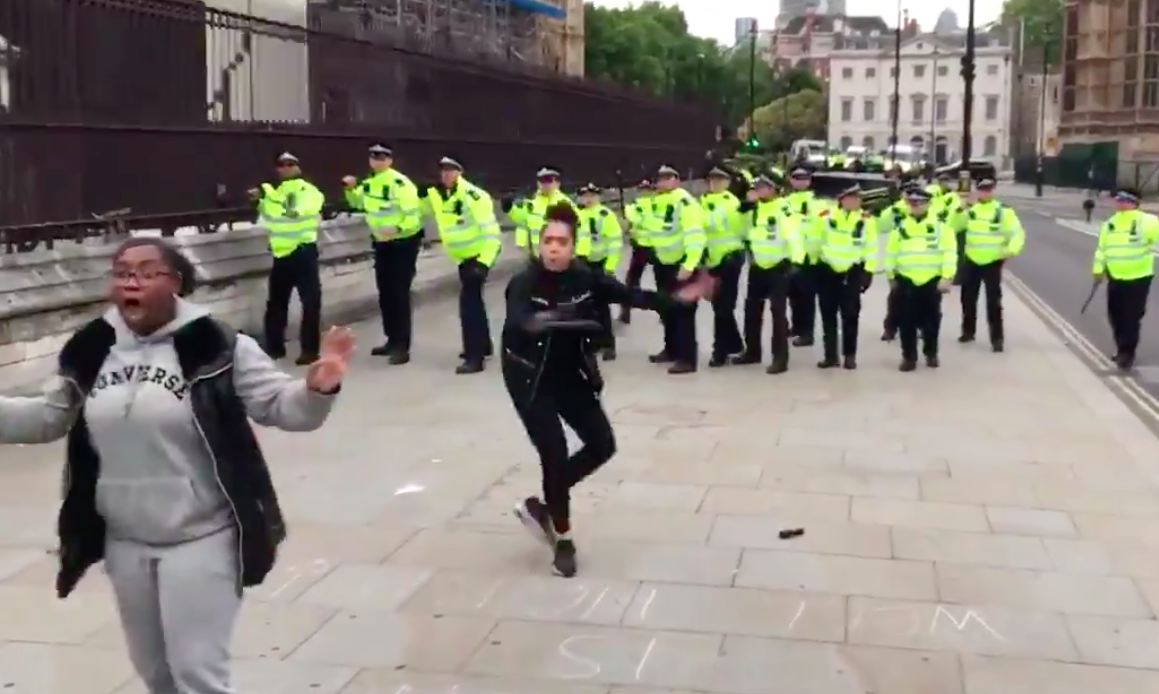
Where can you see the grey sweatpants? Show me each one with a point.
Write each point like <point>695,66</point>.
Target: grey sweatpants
<point>178,606</point>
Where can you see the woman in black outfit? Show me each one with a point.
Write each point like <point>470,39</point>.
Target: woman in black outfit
<point>551,373</point>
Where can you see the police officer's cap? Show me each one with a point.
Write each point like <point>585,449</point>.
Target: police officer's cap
<point>717,172</point>
<point>645,185</point>
<point>763,181</point>
<point>287,158</point>
<point>918,194</point>
<point>1127,195</point>
<point>450,163</point>
<point>854,189</point>
<point>947,176</point>
<point>590,188</point>
<point>986,183</point>
<point>667,171</point>
<point>547,172</point>
<point>800,172</point>
<point>380,151</point>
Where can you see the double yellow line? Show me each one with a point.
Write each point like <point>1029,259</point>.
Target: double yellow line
<point>1126,387</point>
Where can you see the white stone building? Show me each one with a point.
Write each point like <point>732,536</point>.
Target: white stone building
<point>861,83</point>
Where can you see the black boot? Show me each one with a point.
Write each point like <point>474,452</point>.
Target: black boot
<point>779,366</point>
<point>661,357</point>
<point>470,366</point>
<point>907,365</point>
<point>828,363</point>
<point>932,361</point>
<point>850,362</point>
<point>746,358</point>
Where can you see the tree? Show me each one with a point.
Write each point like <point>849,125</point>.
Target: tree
<point>1041,22</point>
<point>798,116</point>
<point>648,47</point>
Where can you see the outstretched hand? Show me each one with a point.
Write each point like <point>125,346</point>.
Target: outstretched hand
<point>325,375</point>
<point>703,287</point>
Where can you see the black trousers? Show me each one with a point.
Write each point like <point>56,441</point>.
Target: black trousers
<point>680,321</point>
<point>296,272</point>
<point>959,274</point>
<point>1126,306</point>
<point>803,300</point>
<point>607,337</point>
<point>771,285</point>
<point>726,338</point>
<point>891,310</point>
<point>839,296</point>
<point>641,258</point>
<point>473,322</point>
<point>974,278</point>
<point>394,273</point>
<point>919,311</point>
<point>543,418</point>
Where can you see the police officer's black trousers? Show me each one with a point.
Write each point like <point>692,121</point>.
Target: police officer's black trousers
<point>726,338</point>
<point>839,296</point>
<point>919,311</point>
<point>543,418</point>
<point>641,258</point>
<point>889,325</point>
<point>296,272</point>
<point>607,337</point>
<point>974,278</point>
<point>959,273</point>
<point>476,329</point>
<point>394,273</point>
<point>679,321</point>
<point>1126,306</point>
<point>771,285</point>
<point>803,300</point>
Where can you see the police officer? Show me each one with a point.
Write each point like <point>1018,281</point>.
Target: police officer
<point>946,204</point>
<point>802,202</point>
<point>291,213</point>
<point>776,250</point>
<point>391,203</point>
<point>848,259</point>
<point>992,233</point>
<point>678,242</point>
<point>599,239</point>
<point>920,259</point>
<point>724,259</point>
<point>1125,259</point>
<point>638,215</point>
<point>465,216</point>
<point>528,214</point>
<point>888,220</point>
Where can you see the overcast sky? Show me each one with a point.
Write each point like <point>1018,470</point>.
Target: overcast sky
<point>714,18</point>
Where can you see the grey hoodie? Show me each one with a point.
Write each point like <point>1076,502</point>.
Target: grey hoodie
<point>157,481</point>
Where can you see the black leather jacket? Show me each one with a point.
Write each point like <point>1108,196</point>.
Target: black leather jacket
<point>205,349</point>
<point>579,290</point>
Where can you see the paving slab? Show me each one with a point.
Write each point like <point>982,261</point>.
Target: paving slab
<point>989,527</point>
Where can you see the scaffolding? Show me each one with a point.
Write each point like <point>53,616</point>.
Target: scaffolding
<point>491,30</point>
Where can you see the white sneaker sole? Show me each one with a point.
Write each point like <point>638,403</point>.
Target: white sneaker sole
<point>531,524</point>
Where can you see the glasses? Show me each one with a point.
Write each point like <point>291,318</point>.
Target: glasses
<point>147,274</point>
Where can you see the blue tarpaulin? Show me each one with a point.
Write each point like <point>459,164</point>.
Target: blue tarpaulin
<point>537,7</point>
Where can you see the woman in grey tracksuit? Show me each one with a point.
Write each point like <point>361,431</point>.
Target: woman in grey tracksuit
<point>165,481</point>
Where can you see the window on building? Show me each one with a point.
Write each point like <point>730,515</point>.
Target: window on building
<point>943,70</point>
<point>990,146</point>
<point>846,110</point>
<point>919,70</point>
<point>1129,95</point>
<point>846,143</point>
<point>1150,95</point>
<point>991,108</point>
<point>870,72</point>
<point>846,73</point>
<point>919,108</point>
<point>941,109</point>
<point>1132,13</point>
<point>867,143</point>
<point>1068,99</point>
<point>869,110</point>
<point>991,70</point>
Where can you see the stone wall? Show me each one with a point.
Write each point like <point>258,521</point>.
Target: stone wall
<point>45,296</point>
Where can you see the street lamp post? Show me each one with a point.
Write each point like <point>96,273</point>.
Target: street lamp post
<point>1038,172</point>
<point>934,107</point>
<point>968,101</point>
<point>896,86</point>
<point>752,80</point>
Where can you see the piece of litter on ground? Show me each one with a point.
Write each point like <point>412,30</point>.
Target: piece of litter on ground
<point>791,533</point>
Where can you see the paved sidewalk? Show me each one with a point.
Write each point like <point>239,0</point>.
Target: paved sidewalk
<point>988,528</point>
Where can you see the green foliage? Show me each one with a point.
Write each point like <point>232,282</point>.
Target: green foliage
<point>1042,21</point>
<point>648,47</point>
<point>798,116</point>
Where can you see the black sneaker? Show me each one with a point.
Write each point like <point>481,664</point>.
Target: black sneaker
<point>564,562</point>
<point>533,515</point>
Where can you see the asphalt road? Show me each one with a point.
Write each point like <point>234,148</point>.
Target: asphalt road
<point>1056,268</point>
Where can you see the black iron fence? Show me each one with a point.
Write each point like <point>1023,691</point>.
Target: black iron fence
<point>167,106</point>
